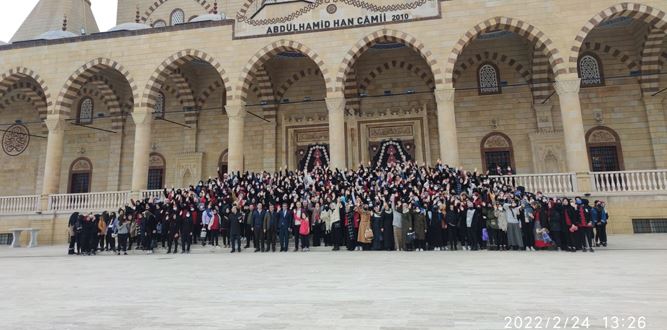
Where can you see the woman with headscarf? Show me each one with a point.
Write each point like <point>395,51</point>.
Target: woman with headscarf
<point>71,231</point>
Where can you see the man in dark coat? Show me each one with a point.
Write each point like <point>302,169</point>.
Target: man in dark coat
<point>270,228</point>
<point>235,226</point>
<point>284,225</point>
<point>258,228</point>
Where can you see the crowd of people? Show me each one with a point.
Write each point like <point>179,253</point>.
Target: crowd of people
<point>401,207</point>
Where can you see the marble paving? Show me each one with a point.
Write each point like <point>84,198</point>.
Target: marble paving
<point>43,288</point>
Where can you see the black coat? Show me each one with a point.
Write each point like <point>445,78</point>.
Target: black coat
<point>235,222</point>
<point>186,227</point>
<point>556,219</point>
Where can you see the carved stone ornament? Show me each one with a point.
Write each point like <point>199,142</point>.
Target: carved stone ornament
<point>81,165</point>
<point>15,140</point>
<point>598,116</point>
<point>390,131</point>
<point>496,141</point>
<point>155,161</point>
<point>601,136</point>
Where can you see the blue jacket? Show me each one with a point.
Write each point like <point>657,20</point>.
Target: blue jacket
<point>258,218</point>
<point>599,216</point>
<point>284,219</point>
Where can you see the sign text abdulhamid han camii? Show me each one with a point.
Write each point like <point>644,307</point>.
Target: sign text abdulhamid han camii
<point>301,17</point>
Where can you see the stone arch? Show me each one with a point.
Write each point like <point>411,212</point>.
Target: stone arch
<point>170,65</point>
<point>521,28</point>
<point>83,75</point>
<point>603,136</point>
<point>652,16</point>
<point>206,4</point>
<point>208,91</point>
<point>11,79</point>
<point>385,35</point>
<point>496,58</point>
<point>418,71</point>
<point>184,91</point>
<point>285,86</point>
<point>81,165</point>
<point>265,89</point>
<point>27,92</point>
<point>650,60</point>
<point>496,142</point>
<point>622,56</point>
<point>267,52</point>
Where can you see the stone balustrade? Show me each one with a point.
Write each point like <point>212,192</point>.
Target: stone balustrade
<point>549,184</point>
<point>630,181</point>
<point>19,204</point>
<point>102,201</point>
<point>151,193</point>
<point>560,184</point>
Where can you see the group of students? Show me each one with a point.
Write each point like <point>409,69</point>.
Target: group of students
<point>406,207</point>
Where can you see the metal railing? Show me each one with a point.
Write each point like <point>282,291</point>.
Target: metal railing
<point>19,204</point>
<point>102,201</point>
<point>552,183</point>
<point>630,181</point>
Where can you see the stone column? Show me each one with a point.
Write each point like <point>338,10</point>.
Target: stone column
<point>657,126</point>
<point>54,154</point>
<point>143,120</point>
<point>567,87</point>
<point>337,140</point>
<point>236,114</point>
<point>449,145</point>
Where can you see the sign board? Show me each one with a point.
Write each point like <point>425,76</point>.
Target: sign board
<point>266,18</point>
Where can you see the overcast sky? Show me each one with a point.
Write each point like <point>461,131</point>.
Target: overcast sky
<point>13,13</point>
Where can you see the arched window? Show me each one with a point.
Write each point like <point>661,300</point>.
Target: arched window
<point>488,79</point>
<point>497,153</point>
<point>590,70</point>
<point>80,175</point>
<point>222,164</point>
<point>156,170</point>
<point>159,23</point>
<point>159,105</point>
<point>177,17</point>
<point>86,108</point>
<point>604,149</point>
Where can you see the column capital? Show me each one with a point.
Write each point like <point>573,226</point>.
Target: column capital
<point>55,123</point>
<point>235,110</point>
<point>444,95</point>
<point>567,84</point>
<point>335,103</point>
<point>142,116</point>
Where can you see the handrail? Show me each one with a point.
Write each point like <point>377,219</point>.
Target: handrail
<point>549,183</point>
<point>630,181</point>
<point>19,204</point>
<point>100,201</point>
<point>154,193</point>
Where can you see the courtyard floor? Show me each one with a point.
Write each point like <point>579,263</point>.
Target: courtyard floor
<point>212,289</point>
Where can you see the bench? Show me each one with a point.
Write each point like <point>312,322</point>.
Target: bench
<point>16,240</point>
